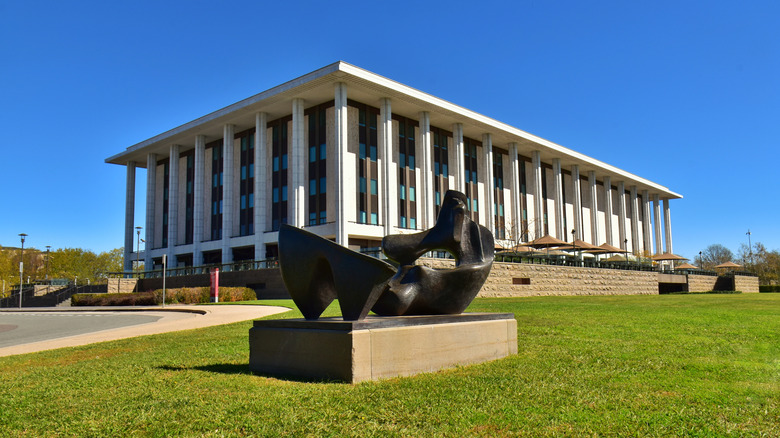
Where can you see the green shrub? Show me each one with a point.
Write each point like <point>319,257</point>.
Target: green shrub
<point>684,292</point>
<point>769,288</point>
<point>133,299</point>
<point>184,295</point>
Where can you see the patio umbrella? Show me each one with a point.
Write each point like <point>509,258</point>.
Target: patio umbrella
<point>728,265</point>
<point>609,248</point>
<point>687,266</point>
<point>547,242</point>
<point>667,256</point>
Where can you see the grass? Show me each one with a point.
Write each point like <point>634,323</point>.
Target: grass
<point>674,365</point>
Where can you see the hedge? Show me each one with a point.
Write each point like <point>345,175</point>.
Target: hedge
<point>184,295</point>
<point>684,292</point>
<point>769,288</point>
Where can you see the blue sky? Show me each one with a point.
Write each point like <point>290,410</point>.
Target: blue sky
<point>684,93</point>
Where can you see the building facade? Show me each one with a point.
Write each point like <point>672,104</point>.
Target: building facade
<point>353,156</point>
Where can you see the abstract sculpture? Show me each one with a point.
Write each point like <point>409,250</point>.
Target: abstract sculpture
<point>316,270</point>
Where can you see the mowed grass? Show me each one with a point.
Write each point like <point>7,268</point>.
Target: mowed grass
<point>682,365</point>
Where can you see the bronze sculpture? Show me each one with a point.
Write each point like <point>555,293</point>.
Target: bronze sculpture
<point>316,270</point>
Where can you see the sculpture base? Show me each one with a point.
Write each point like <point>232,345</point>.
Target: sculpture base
<point>378,347</point>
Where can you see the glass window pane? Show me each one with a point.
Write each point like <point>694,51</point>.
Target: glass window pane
<point>323,185</point>
<point>323,151</point>
<point>284,161</point>
<point>413,223</point>
<point>402,190</point>
<point>312,154</point>
<point>276,194</point>
<point>276,164</point>
<point>284,193</point>
<point>312,187</point>
<point>374,219</point>
<point>374,188</point>
<point>411,195</point>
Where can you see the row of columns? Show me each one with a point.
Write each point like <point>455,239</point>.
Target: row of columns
<point>389,191</point>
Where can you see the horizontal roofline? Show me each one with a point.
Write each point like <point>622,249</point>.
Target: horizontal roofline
<point>341,69</point>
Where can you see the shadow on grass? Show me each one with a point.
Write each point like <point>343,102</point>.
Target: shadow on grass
<point>232,368</point>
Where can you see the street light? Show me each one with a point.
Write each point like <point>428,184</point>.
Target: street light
<point>625,247</point>
<point>574,245</point>
<point>21,270</point>
<point>48,248</point>
<point>750,248</point>
<point>701,261</point>
<point>138,248</point>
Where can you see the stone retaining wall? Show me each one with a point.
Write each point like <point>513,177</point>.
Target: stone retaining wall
<point>701,283</point>
<point>746,284</point>
<point>542,280</point>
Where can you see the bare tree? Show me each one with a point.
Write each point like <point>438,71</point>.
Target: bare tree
<point>714,255</point>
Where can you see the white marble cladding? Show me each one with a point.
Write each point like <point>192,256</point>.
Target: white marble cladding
<point>547,189</point>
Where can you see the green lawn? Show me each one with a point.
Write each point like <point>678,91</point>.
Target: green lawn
<point>679,365</point>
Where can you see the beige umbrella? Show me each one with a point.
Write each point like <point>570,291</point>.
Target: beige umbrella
<point>609,248</point>
<point>547,241</point>
<point>687,266</point>
<point>667,256</point>
<point>728,265</point>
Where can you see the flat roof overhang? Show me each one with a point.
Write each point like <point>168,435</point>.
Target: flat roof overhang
<point>318,87</point>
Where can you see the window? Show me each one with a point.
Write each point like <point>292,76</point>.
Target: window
<point>317,126</point>
<point>216,188</point>
<point>279,150</point>
<point>247,183</point>
<point>498,194</point>
<point>472,182</point>
<point>407,207</point>
<point>440,166</point>
<point>189,198</point>
<point>368,138</point>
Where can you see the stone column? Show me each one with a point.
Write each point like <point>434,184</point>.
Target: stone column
<point>261,177</point>
<point>426,200</point>
<point>668,226</point>
<point>608,209</point>
<point>634,221</point>
<point>646,236</point>
<point>487,154</point>
<point>341,128</point>
<point>129,216</point>
<point>594,209</point>
<point>298,165</point>
<point>151,187</point>
<point>173,205</point>
<point>577,204</point>
<point>560,233</point>
<point>228,191</point>
<point>199,178</point>
<point>517,220</point>
<point>460,164</point>
<point>622,215</point>
<point>389,189</point>
<point>657,223</point>
<point>538,204</point>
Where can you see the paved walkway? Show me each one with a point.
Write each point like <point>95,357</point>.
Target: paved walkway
<point>128,322</point>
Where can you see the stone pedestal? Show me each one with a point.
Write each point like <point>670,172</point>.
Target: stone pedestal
<point>378,347</point>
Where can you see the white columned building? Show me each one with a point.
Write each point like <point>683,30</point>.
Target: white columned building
<point>560,231</point>
<point>151,191</point>
<point>199,180</point>
<point>622,235</point>
<point>577,195</point>
<point>129,215</point>
<point>340,134</point>
<point>303,153</point>
<point>261,176</point>
<point>608,210</point>
<point>173,205</point>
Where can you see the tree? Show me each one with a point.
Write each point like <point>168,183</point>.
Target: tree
<point>762,262</point>
<point>714,255</point>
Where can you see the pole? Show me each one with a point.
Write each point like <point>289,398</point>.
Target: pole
<point>138,248</point>
<point>165,267</point>
<point>21,270</point>
<point>750,248</point>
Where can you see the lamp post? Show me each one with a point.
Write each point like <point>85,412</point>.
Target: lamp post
<point>625,247</point>
<point>138,248</point>
<point>701,261</point>
<point>48,248</point>
<point>750,248</point>
<point>574,245</point>
<point>21,270</point>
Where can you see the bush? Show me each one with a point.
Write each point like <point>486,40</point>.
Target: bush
<point>684,292</point>
<point>769,288</point>
<point>184,295</point>
<point>133,299</point>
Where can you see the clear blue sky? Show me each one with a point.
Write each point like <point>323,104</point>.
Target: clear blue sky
<point>686,94</point>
